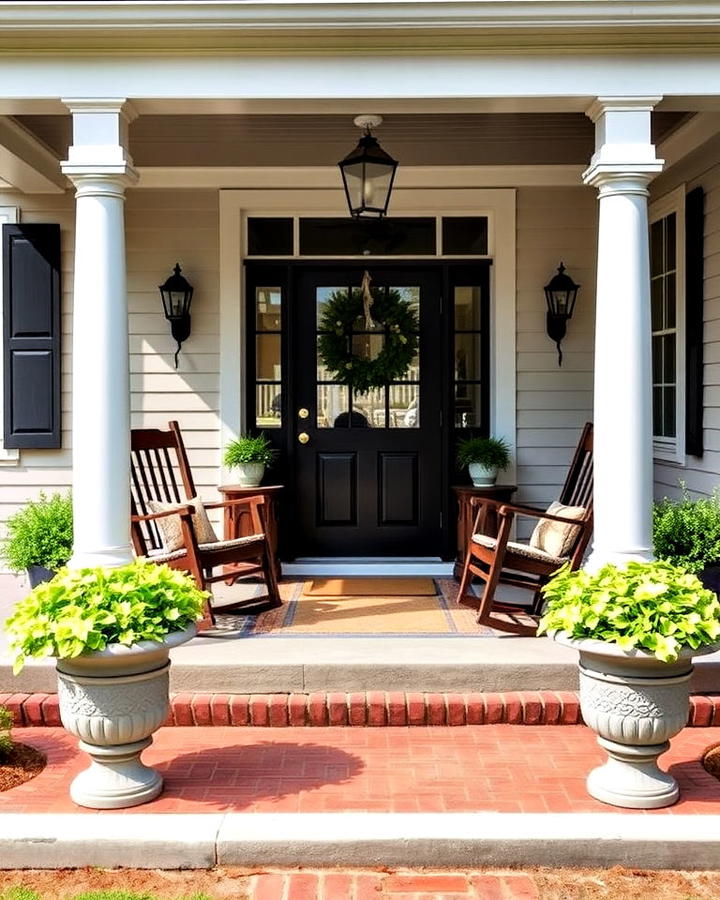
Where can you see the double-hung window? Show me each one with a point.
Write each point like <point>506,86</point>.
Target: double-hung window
<point>667,294</point>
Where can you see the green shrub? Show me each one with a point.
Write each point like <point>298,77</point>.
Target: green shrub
<point>248,449</point>
<point>493,453</point>
<point>6,723</point>
<point>39,534</point>
<point>686,532</point>
<point>653,606</point>
<point>86,609</point>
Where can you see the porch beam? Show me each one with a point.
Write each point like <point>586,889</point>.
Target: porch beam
<point>621,168</point>
<point>101,169</point>
<point>26,163</point>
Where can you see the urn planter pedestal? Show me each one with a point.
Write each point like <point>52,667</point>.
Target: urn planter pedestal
<point>113,700</point>
<point>635,703</point>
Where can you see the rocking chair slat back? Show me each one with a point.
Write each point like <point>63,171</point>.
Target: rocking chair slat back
<point>157,458</point>
<point>578,487</point>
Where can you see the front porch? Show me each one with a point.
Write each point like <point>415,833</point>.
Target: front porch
<point>240,661</point>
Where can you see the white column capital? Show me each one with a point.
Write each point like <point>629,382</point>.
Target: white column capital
<point>100,136</point>
<point>602,105</point>
<point>100,181</point>
<point>615,178</point>
<point>120,106</point>
<point>624,152</point>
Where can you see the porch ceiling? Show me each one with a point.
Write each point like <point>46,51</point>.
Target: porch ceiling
<point>321,140</point>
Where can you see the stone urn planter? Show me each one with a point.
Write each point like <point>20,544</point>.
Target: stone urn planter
<point>110,630</point>
<point>635,703</point>
<point>113,700</point>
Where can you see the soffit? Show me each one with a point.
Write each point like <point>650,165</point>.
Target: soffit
<point>301,140</point>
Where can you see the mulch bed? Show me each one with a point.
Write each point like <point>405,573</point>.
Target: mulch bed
<point>20,765</point>
<point>711,760</point>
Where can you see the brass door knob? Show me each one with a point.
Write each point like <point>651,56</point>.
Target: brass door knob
<point>303,413</point>
<point>303,437</point>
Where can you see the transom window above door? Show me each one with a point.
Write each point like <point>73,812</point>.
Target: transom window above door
<point>332,237</point>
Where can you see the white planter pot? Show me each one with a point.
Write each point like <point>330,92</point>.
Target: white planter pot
<point>481,475</point>
<point>635,703</point>
<point>250,474</point>
<point>113,700</point>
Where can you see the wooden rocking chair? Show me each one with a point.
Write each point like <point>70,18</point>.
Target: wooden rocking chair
<point>169,525</point>
<point>498,560</point>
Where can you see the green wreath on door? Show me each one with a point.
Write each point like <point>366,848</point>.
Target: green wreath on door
<point>384,313</point>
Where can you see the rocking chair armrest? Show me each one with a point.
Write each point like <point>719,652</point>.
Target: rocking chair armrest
<point>252,500</point>
<point>508,510</point>
<point>180,510</point>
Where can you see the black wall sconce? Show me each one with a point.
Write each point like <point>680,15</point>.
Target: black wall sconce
<point>176,296</point>
<point>560,293</point>
<point>368,173</point>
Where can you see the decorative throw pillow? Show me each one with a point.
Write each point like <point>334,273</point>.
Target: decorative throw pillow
<point>557,538</point>
<point>170,527</point>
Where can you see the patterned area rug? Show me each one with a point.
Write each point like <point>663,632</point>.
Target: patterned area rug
<point>305,614</point>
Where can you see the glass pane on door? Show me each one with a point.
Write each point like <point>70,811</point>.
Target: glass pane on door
<point>395,404</point>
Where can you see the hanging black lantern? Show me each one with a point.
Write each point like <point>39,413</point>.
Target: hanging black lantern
<point>176,296</point>
<point>560,294</point>
<point>368,174</point>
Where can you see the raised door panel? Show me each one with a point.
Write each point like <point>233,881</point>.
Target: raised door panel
<point>398,488</point>
<point>337,488</point>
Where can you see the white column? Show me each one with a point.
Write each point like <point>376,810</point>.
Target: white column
<point>622,166</point>
<point>100,168</point>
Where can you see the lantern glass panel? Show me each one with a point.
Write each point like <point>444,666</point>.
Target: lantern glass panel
<point>353,175</point>
<point>377,186</point>
<point>177,302</point>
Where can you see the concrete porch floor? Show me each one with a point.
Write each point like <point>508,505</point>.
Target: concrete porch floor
<point>232,662</point>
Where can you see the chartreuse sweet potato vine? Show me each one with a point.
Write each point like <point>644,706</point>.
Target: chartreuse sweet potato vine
<point>86,609</point>
<point>652,606</point>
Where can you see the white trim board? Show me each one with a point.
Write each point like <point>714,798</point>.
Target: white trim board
<point>426,177</point>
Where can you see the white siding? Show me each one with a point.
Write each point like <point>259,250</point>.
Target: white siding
<point>700,474</point>
<point>553,402</point>
<point>162,228</point>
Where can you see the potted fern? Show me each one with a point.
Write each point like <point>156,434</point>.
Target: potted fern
<point>484,457</point>
<point>249,455</point>
<point>39,537</point>
<point>111,631</point>
<point>637,628</point>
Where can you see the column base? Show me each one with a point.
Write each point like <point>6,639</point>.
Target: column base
<point>113,557</point>
<point>600,558</point>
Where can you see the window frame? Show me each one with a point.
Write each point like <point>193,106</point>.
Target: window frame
<point>9,215</point>
<point>673,449</point>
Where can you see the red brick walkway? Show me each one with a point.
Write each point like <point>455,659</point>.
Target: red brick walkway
<point>395,885</point>
<point>501,768</point>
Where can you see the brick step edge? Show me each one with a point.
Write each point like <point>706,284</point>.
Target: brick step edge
<point>373,708</point>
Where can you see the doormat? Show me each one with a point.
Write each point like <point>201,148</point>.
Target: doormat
<point>379,615</point>
<point>370,587</point>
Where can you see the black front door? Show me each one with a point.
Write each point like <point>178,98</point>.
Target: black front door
<point>369,468</point>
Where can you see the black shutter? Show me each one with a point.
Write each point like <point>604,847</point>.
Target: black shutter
<point>694,270</point>
<point>31,335</point>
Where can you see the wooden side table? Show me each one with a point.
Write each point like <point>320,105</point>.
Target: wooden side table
<point>466,515</point>
<point>238,522</point>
